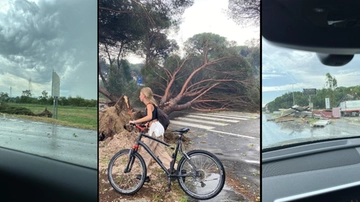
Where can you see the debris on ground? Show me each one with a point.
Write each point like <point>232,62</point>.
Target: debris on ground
<point>114,135</point>
<point>293,113</point>
<point>5,108</point>
<point>303,114</point>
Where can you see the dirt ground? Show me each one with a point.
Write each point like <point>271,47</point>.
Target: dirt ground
<point>111,129</point>
<point>116,138</point>
<point>155,189</point>
<point>152,191</point>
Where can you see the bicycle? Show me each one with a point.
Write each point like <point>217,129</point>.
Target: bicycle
<point>200,173</point>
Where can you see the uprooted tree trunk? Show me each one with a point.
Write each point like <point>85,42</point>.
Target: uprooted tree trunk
<point>113,120</point>
<point>46,113</point>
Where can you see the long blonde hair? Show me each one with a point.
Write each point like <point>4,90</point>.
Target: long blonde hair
<point>149,95</point>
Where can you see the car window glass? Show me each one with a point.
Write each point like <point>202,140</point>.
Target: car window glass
<point>48,57</point>
<point>304,100</point>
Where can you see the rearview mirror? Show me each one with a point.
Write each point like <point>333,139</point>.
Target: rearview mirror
<point>324,26</point>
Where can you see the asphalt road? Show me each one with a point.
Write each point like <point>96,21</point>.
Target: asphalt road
<point>234,137</point>
<point>67,144</point>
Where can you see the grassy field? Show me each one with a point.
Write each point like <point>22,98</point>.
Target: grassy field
<point>79,117</point>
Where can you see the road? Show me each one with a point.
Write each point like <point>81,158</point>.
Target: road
<point>49,140</point>
<point>234,137</point>
<point>277,134</point>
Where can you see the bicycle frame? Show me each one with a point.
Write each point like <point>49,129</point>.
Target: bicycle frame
<point>158,161</point>
<point>187,174</point>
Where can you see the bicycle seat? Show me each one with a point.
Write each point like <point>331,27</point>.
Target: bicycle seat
<point>183,130</point>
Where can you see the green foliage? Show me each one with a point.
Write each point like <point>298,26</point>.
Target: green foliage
<point>132,91</point>
<point>47,100</point>
<point>119,78</point>
<point>252,55</point>
<point>331,84</point>
<point>244,12</point>
<point>134,27</point>
<point>5,108</point>
<point>4,97</point>
<point>79,117</point>
<point>26,93</point>
<point>27,99</point>
<point>138,26</point>
<point>340,94</point>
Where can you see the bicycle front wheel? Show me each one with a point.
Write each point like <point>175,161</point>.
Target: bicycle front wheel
<point>130,181</point>
<point>203,175</point>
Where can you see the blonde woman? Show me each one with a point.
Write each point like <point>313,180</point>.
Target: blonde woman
<point>155,130</point>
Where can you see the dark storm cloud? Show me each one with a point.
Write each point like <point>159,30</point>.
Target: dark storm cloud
<point>37,38</point>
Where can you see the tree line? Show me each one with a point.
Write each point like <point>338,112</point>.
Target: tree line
<point>44,99</point>
<point>331,90</point>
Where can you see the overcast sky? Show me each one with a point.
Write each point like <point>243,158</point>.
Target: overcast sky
<point>39,36</point>
<point>285,69</point>
<point>210,16</point>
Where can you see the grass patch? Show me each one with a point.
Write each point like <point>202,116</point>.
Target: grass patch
<point>158,184</point>
<point>78,117</point>
<point>105,160</point>
<point>311,120</point>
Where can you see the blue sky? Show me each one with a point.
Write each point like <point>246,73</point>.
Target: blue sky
<point>285,70</point>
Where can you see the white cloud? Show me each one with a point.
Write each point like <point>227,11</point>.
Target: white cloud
<point>271,76</point>
<point>283,68</point>
<point>39,36</point>
<point>209,16</point>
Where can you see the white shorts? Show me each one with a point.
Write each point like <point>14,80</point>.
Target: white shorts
<point>157,129</point>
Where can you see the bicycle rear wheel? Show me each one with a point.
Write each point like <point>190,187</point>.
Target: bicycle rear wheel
<point>127,182</point>
<point>204,175</point>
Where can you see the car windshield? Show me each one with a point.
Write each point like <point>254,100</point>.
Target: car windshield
<point>48,74</point>
<point>305,101</point>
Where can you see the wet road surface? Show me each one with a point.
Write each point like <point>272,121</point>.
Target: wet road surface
<point>234,137</point>
<point>276,134</point>
<point>67,144</point>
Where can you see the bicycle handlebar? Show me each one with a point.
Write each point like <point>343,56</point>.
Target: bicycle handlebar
<point>138,126</point>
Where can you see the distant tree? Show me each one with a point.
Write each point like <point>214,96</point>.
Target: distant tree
<point>44,94</point>
<point>27,93</point>
<point>63,101</point>
<point>331,84</point>
<point>43,99</point>
<point>131,26</point>
<point>4,97</point>
<point>245,12</point>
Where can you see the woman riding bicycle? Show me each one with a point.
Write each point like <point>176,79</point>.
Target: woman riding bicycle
<point>155,130</point>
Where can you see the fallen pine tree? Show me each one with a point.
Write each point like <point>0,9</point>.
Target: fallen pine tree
<point>5,108</point>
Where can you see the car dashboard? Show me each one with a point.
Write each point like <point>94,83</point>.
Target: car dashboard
<point>322,171</point>
<point>34,178</point>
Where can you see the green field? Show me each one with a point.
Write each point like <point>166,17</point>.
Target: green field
<point>79,117</point>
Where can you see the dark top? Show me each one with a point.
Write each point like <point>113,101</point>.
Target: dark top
<point>154,114</point>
